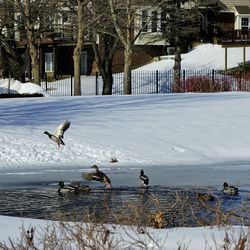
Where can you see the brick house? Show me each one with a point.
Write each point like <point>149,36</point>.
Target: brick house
<point>56,51</point>
<point>234,22</point>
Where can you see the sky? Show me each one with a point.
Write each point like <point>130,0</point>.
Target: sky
<point>149,131</point>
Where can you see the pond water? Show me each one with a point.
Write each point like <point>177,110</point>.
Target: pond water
<point>34,193</point>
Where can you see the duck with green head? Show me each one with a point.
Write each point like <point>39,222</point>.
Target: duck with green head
<point>144,179</point>
<point>57,137</point>
<point>231,190</point>
<point>66,188</point>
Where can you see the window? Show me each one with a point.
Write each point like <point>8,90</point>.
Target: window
<point>244,23</point>
<point>163,20</point>
<point>144,21</point>
<point>18,20</point>
<point>154,22</point>
<point>65,18</point>
<point>58,19</point>
<point>49,66</point>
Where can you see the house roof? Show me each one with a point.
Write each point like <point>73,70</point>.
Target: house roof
<point>230,4</point>
<point>242,9</point>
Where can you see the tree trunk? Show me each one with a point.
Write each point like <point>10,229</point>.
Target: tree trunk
<point>79,46</point>
<point>127,89</point>
<point>177,67</point>
<point>107,77</point>
<point>104,62</point>
<point>125,35</point>
<point>105,69</point>
<point>34,55</point>
<point>2,63</point>
<point>177,57</point>
<point>77,71</point>
<point>32,44</point>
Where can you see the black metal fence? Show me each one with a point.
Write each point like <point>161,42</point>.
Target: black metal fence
<point>155,82</point>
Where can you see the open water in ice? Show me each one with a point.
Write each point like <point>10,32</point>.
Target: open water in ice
<point>34,193</point>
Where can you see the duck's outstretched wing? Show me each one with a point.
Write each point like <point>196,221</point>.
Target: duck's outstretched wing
<point>61,129</point>
<point>92,177</point>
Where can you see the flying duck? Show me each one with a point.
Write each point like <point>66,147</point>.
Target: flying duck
<point>66,189</point>
<point>98,176</point>
<point>58,135</point>
<point>231,190</point>
<point>144,179</point>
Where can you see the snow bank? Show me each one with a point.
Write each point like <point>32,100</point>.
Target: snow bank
<point>21,88</point>
<point>202,57</point>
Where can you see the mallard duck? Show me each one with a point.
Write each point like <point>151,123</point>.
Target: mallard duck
<point>66,189</point>
<point>58,135</point>
<point>98,176</point>
<point>79,187</point>
<point>205,197</point>
<point>231,190</point>
<point>144,179</point>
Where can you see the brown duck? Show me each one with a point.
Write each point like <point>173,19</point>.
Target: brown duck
<point>98,176</point>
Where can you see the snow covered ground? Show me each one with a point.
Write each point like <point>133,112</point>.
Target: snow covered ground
<point>146,130</point>
<point>175,129</point>
<point>202,57</point>
<point>127,238</point>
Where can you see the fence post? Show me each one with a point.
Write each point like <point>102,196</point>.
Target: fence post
<point>71,84</point>
<point>170,79</point>
<point>157,81</point>
<point>130,81</point>
<point>184,78</point>
<point>222,85</point>
<point>9,84</point>
<point>240,76</point>
<point>46,82</point>
<point>96,83</point>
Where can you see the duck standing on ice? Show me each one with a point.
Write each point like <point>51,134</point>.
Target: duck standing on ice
<point>144,179</point>
<point>58,135</point>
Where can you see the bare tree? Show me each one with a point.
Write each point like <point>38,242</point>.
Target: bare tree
<point>103,31</point>
<point>124,35</point>
<point>36,18</point>
<point>81,29</point>
<point>124,15</point>
<point>104,59</point>
<point>80,12</point>
<point>10,61</point>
